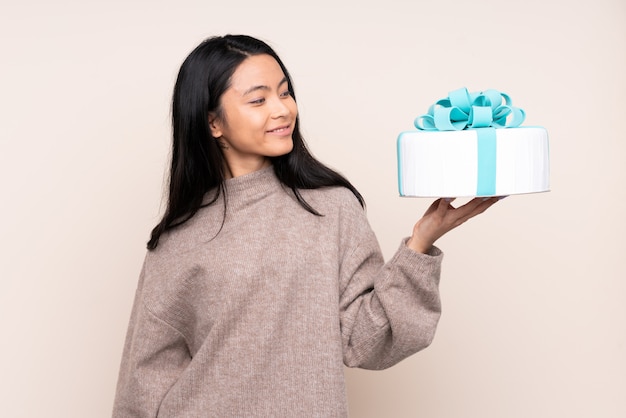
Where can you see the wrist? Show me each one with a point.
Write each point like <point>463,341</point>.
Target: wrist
<point>418,245</point>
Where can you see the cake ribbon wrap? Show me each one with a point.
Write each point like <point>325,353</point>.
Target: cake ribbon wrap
<point>481,111</point>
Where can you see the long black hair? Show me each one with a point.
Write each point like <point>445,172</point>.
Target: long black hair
<point>197,163</point>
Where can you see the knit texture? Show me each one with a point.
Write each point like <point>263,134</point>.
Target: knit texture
<point>257,317</point>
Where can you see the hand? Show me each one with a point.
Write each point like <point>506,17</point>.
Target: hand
<point>441,217</point>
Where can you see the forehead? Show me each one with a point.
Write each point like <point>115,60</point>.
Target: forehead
<point>257,70</point>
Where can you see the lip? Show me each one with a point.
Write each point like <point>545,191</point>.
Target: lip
<point>282,130</point>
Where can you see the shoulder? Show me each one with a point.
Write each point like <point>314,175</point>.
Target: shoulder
<point>200,228</point>
<point>171,272</point>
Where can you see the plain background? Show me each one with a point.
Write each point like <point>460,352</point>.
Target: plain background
<point>534,320</point>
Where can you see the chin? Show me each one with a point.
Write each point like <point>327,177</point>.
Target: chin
<point>283,150</point>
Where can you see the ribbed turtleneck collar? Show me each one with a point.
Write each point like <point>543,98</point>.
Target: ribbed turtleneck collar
<point>253,185</point>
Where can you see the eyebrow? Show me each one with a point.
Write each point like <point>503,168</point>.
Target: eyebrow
<point>255,88</point>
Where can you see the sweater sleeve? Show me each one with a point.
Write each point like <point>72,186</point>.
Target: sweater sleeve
<point>154,356</point>
<point>388,311</point>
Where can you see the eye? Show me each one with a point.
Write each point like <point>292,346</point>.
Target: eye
<point>258,101</point>
<point>286,93</point>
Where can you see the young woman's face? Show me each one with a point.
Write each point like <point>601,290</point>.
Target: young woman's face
<point>259,116</point>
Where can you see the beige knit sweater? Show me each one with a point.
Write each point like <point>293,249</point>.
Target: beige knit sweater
<point>259,319</point>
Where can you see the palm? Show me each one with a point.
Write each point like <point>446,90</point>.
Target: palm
<point>441,217</point>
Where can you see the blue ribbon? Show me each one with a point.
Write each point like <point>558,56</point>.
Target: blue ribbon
<point>483,111</point>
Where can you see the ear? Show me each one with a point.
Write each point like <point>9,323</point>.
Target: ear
<point>215,125</point>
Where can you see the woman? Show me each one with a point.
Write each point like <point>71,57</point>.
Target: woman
<point>264,278</point>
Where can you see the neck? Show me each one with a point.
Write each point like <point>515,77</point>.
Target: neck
<point>243,168</point>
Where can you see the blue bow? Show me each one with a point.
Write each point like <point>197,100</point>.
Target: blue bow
<point>464,110</point>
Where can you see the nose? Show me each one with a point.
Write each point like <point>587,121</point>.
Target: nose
<point>279,108</point>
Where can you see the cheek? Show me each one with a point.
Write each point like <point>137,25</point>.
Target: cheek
<point>252,118</point>
<point>293,107</point>
<point>245,122</point>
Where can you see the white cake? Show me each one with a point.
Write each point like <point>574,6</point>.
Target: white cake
<point>465,146</point>
<point>445,164</point>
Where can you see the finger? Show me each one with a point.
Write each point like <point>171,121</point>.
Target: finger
<point>470,206</point>
<point>462,211</point>
<point>433,207</point>
<point>483,205</point>
<point>444,205</point>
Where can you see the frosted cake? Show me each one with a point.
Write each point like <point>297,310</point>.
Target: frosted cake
<point>471,144</point>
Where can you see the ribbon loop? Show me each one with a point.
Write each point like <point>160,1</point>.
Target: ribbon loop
<point>461,99</point>
<point>480,117</point>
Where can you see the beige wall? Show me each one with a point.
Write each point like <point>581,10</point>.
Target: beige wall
<point>534,321</point>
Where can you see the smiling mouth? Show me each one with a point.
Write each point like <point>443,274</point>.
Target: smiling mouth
<point>280,130</point>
